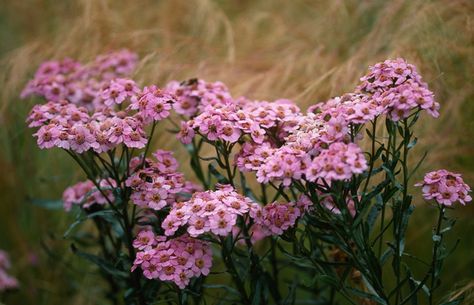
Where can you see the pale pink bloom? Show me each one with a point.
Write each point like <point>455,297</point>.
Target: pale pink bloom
<point>165,162</point>
<point>135,139</point>
<point>445,187</point>
<point>81,139</point>
<point>222,225</point>
<point>185,134</point>
<point>114,93</point>
<point>157,199</point>
<point>144,240</point>
<point>230,133</point>
<point>197,226</point>
<point>48,136</point>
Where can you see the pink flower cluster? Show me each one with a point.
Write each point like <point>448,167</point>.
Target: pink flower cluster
<point>115,111</point>
<point>195,95</point>
<point>388,74</point>
<point>229,121</point>
<point>158,184</point>
<point>7,282</point>
<point>67,126</point>
<point>79,84</point>
<point>85,194</point>
<point>289,158</point>
<point>445,187</point>
<point>176,260</point>
<point>153,104</point>
<point>397,86</point>
<point>217,211</point>
<point>400,100</point>
<point>275,218</point>
<point>349,108</point>
<point>217,116</point>
<point>282,164</point>
<point>315,149</point>
<point>210,211</point>
<point>339,162</point>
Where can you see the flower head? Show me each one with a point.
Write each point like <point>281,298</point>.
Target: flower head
<point>445,188</point>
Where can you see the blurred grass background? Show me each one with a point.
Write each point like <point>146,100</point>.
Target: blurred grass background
<point>304,50</point>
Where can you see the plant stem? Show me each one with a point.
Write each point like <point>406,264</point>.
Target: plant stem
<point>437,243</point>
<point>147,147</point>
<point>233,271</point>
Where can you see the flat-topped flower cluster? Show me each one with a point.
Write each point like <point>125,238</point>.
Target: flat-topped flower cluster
<point>177,260</point>
<point>445,187</point>
<point>217,212</point>
<point>157,183</point>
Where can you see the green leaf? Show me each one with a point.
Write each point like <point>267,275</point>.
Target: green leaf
<point>414,298</point>
<point>424,288</point>
<point>290,298</point>
<point>101,263</point>
<point>219,286</point>
<point>412,143</point>
<point>214,172</point>
<point>386,255</point>
<point>374,212</point>
<point>366,295</point>
<point>79,219</point>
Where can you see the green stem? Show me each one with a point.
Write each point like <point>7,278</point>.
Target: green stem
<point>147,147</point>
<point>228,261</point>
<point>437,243</point>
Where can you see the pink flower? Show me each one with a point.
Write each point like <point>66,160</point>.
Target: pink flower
<point>76,194</point>
<point>81,139</point>
<point>197,226</point>
<point>211,128</point>
<point>397,86</point>
<point>165,162</point>
<point>230,133</point>
<point>119,130</point>
<point>135,139</point>
<point>185,134</point>
<point>4,260</point>
<point>144,240</point>
<point>222,225</point>
<point>113,93</point>
<point>202,262</point>
<point>196,94</point>
<point>48,136</point>
<point>7,282</point>
<point>153,104</point>
<point>445,188</point>
<point>157,199</point>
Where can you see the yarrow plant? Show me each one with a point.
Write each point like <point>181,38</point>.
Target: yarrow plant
<point>287,205</point>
